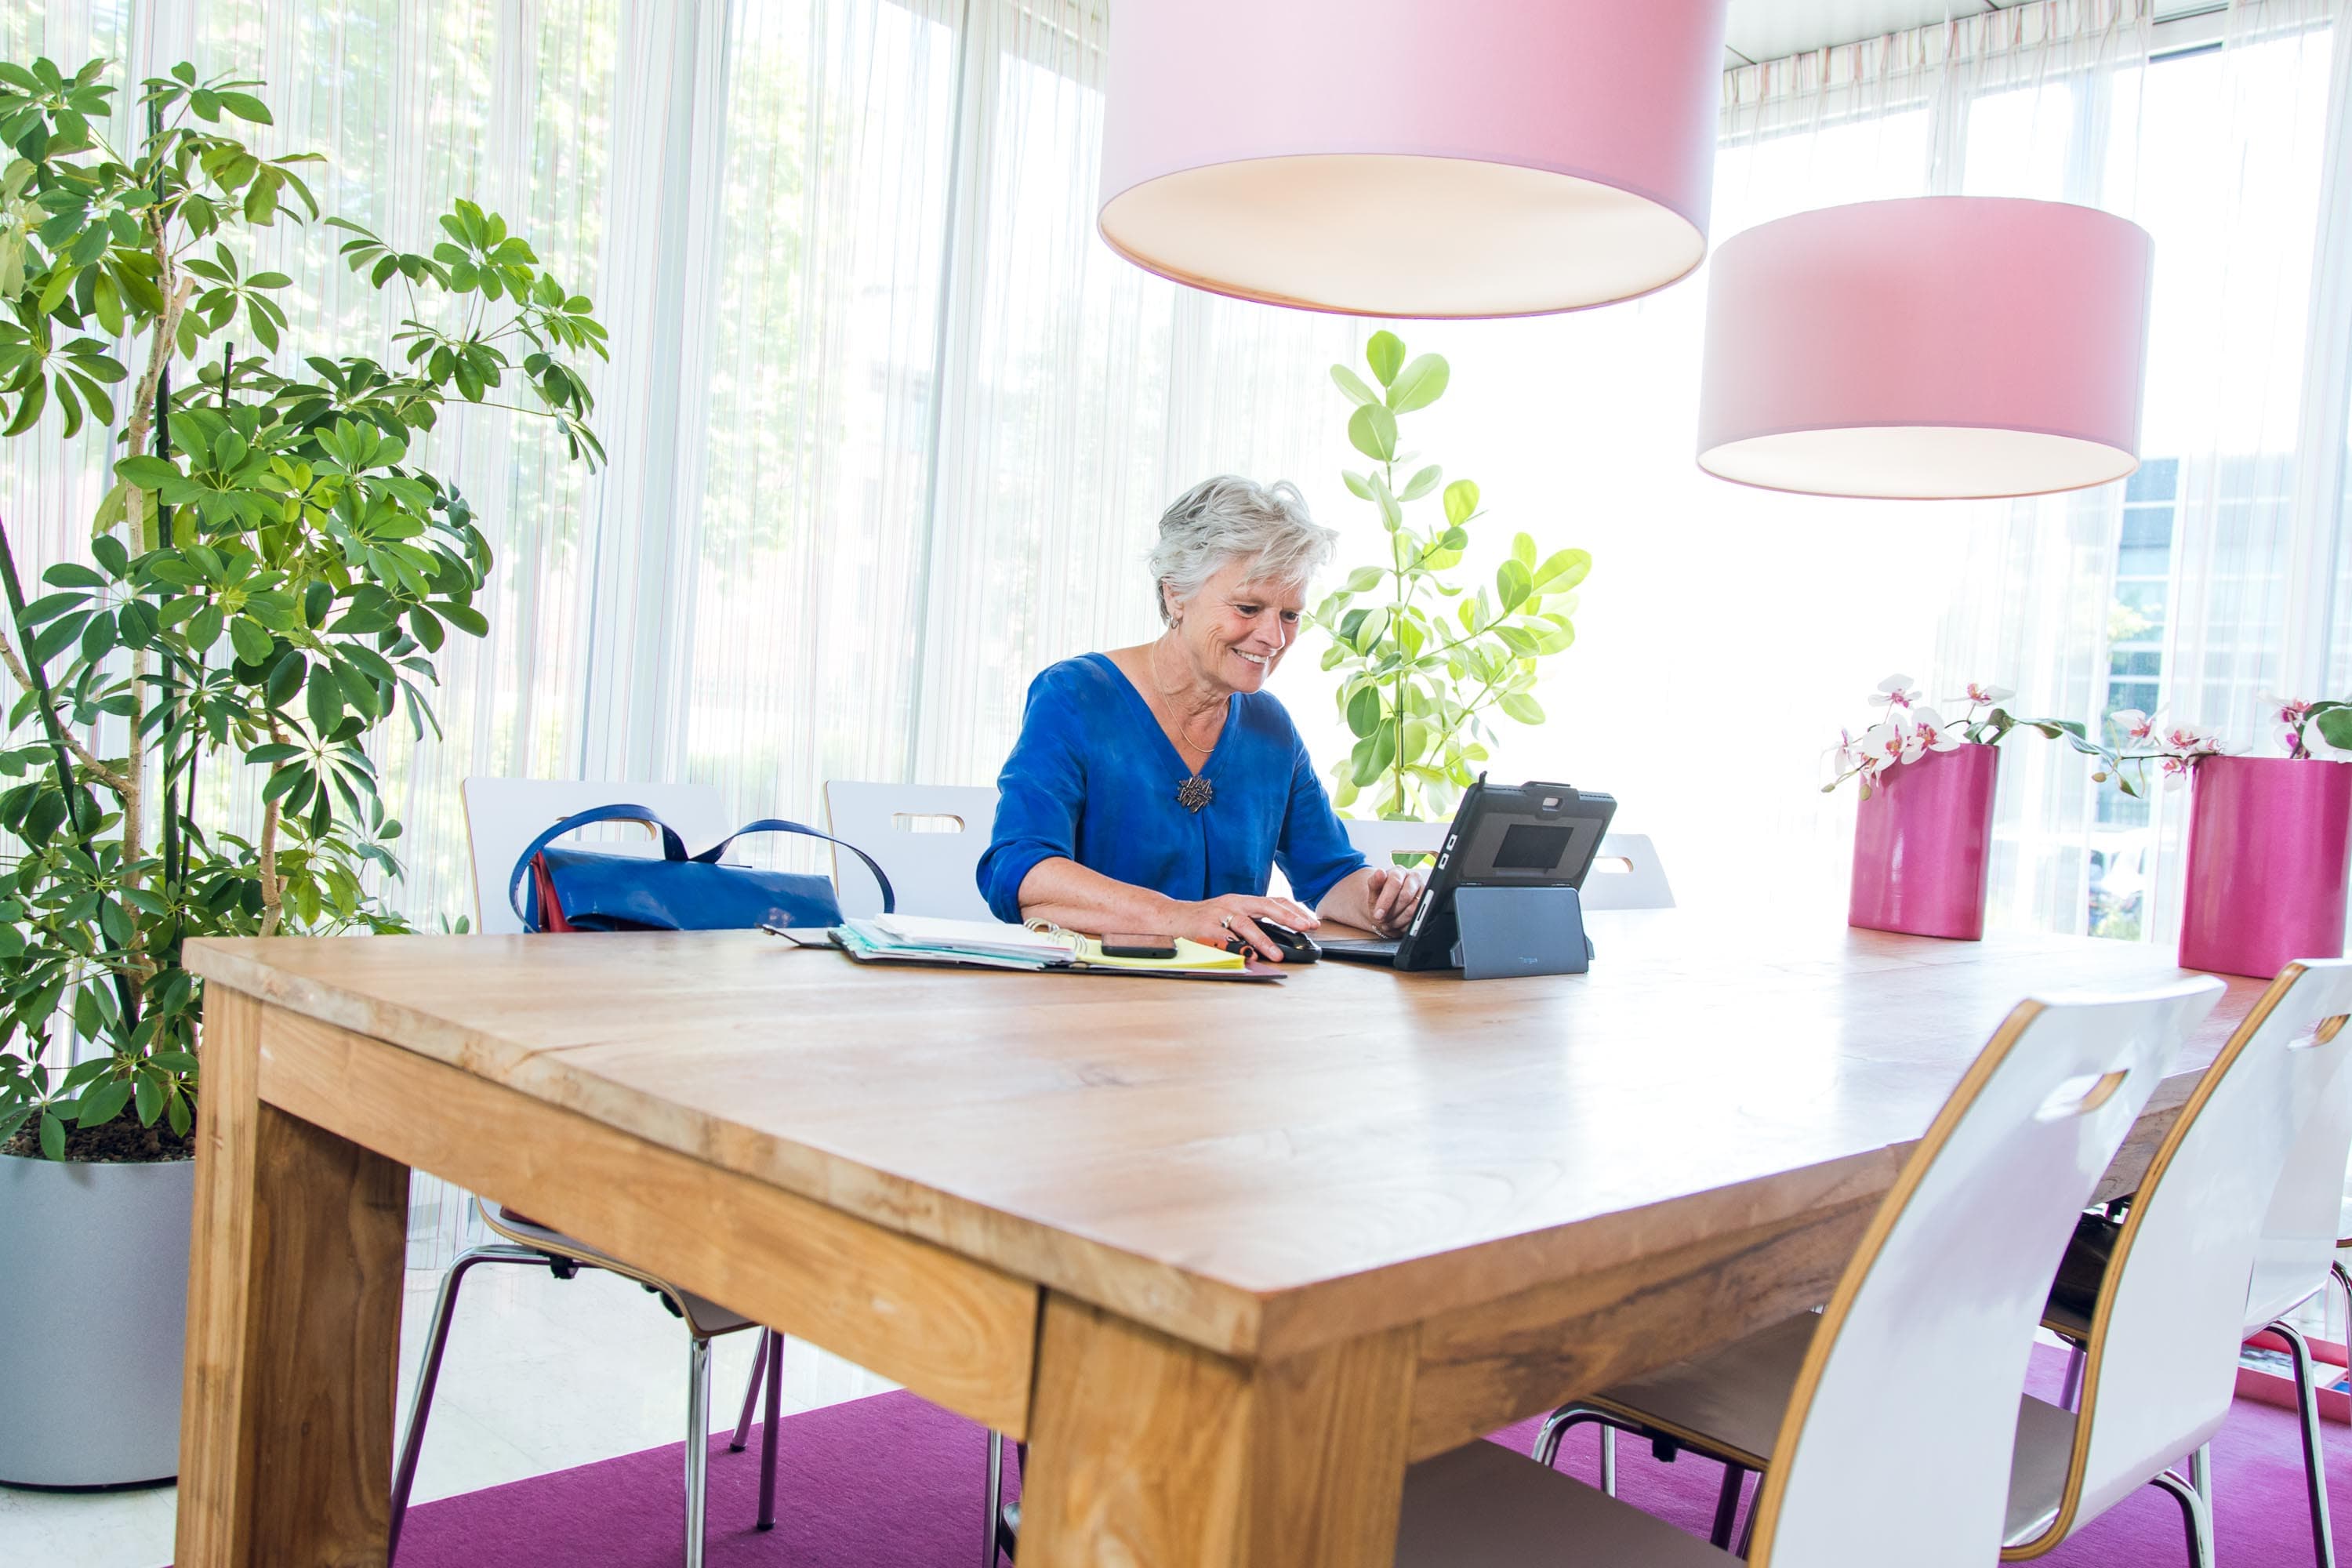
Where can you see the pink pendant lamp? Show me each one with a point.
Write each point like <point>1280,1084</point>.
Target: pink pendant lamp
<point>1940,347</point>
<point>1412,157</point>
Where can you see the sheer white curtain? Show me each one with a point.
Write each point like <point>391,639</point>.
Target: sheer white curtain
<point>2248,413</point>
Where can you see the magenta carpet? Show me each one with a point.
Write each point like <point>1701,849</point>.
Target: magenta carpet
<point>892,1482</point>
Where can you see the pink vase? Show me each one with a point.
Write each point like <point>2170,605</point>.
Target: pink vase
<point>1923,845</point>
<point>2270,847</point>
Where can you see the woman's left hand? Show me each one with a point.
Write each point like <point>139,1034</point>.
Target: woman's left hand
<point>1379,898</point>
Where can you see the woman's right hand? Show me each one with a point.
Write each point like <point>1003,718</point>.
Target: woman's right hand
<point>1219,921</point>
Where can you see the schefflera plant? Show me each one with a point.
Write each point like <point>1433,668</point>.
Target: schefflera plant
<point>1427,659</point>
<point>268,579</point>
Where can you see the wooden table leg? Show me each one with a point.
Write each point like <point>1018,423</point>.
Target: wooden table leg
<point>1146,1450</point>
<point>294,1287</point>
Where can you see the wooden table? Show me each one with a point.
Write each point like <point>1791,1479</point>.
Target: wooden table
<point>1228,1256</point>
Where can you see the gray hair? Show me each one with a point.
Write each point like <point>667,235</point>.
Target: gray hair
<point>1219,522</point>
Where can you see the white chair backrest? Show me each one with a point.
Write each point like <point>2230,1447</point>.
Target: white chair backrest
<point>2163,1362</point>
<point>1626,872</point>
<point>928,837</point>
<point>2306,1213</point>
<point>1921,1355</point>
<point>1379,840</point>
<point>503,815</point>
<point>1628,875</point>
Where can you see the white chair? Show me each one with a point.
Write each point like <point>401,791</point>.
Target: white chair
<point>928,839</point>
<point>2161,1342</point>
<point>1933,1323</point>
<point>502,816</point>
<point>1626,871</point>
<point>2296,1259</point>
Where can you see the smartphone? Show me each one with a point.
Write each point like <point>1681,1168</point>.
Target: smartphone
<point>1131,946</point>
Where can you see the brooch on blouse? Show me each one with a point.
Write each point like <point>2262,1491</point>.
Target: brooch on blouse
<point>1195,792</point>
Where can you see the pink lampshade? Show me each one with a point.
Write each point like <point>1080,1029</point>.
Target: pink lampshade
<point>1937,347</point>
<point>1406,158</point>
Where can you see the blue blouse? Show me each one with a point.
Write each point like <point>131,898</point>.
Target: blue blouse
<point>1093,779</point>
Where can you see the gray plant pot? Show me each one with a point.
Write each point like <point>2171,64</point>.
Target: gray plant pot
<point>93,1309</point>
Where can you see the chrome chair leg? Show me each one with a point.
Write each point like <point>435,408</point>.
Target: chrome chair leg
<point>698,1444</point>
<point>420,1400</point>
<point>2070,1393</point>
<point>1747,1531</point>
<point>743,1438</point>
<point>2195,1517</point>
<point>1546,1451</point>
<point>2201,1472</point>
<point>771,1353</point>
<point>1727,1506</point>
<point>1548,1436</point>
<point>2314,1459</point>
<point>995,1496</point>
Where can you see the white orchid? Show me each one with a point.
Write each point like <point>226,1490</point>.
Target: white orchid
<point>1932,733</point>
<point>1979,695</point>
<point>2292,715</point>
<point>1883,745</point>
<point>2135,724</point>
<point>1897,692</point>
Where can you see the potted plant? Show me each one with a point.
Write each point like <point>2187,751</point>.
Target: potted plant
<point>1419,679</point>
<point>267,583</point>
<point>1923,832</point>
<point>2269,855</point>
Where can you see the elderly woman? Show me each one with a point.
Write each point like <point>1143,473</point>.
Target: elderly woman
<point>1154,787</point>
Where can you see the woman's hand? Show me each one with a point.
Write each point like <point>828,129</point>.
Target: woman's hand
<point>1379,898</point>
<point>1219,921</point>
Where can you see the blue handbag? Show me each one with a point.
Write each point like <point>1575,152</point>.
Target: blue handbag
<point>590,890</point>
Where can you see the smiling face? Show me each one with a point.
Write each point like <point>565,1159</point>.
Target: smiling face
<point>1235,632</point>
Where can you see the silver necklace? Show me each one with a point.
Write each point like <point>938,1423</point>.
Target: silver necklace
<point>1195,791</point>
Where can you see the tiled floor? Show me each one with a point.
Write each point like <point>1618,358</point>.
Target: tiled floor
<point>540,1375</point>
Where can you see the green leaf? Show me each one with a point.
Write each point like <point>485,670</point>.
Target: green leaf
<point>2335,727</point>
<point>149,473</point>
<point>52,1136</point>
<point>284,677</point>
<point>1522,707</point>
<point>103,1104</point>
<point>1423,481</point>
<point>325,704</point>
<point>1364,710</point>
<point>1371,430</point>
<point>252,643</point>
<point>1353,384</point>
<point>1364,579</point>
<point>1513,583</point>
<point>1562,570</point>
<point>1460,502</point>
<point>1385,354</point>
<point>1523,550</point>
<point>1357,483</point>
<point>1419,384</point>
<point>244,106</point>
